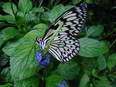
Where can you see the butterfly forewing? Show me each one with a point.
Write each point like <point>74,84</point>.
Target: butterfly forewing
<point>72,21</point>
<point>64,45</point>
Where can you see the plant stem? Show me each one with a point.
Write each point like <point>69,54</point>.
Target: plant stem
<point>109,34</point>
<point>40,3</point>
<point>112,43</point>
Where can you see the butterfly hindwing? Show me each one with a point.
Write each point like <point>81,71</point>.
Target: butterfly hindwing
<point>64,48</point>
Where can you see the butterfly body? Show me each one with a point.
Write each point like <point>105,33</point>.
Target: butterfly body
<point>64,45</point>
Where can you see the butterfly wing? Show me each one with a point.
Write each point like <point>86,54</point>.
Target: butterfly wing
<point>64,45</point>
<point>64,48</point>
<point>72,21</point>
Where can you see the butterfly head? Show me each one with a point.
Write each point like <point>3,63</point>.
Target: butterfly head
<point>40,42</point>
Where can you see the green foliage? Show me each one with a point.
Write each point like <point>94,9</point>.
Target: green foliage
<point>8,33</point>
<point>55,12</point>
<point>8,8</point>
<point>21,22</point>
<point>101,62</point>
<point>69,70</point>
<point>84,80</point>
<point>94,30</point>
<point>29,82</point>
<point>111,62</point>
<point>92,48</point>
<point>53,80</point>
<point>103,82</point>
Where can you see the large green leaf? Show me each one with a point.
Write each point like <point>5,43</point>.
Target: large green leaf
<point>53,80</point>
<point>84,81</point>
<point>103,82</point>
<point>32,35</point>
<point>55,12</point>
<point>9,48</point>
<point>29,82</point>
<point>25,6</point>
<point>111,62</point>
<point>8,33</point>
<point>95,30</point>
<point>92,48</point>
<point>101,62</point>
<point>10,8</point>
<point>68,70</point>
<point>23,62</point>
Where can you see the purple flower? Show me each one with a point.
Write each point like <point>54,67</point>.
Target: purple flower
<point>63,84</point>
<point>43,63</point>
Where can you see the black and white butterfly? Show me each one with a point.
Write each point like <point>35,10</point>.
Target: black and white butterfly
<point>65,45</point>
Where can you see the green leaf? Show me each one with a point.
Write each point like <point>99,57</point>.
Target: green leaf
<point>6,74</point>
<point>2,24</point>
<point>84,81</point>
<point>45,16</point>
<point>68,70</point>
<point>53,80</point>
<point>111,62</point>
<point>1,17</point>
<point>39,9</point>
<point>9,19</point>
<point>55,12</point>
<point>7,85</point>
<point>95,30</point>
<point>21,17</point>
<point>32,35</point>
<point>103,82</point>
<point>25,6</point>
<point>89,65</point>
<point>9,48</point>
<point>8,33</point>
<point>40,26</point>
<point>101,62</point>
<point>8,8</point>
<point>92,48</point>
<point>67,7</point>
<point>95,73</point>
<point>29,82</point>
<point>23,61</point>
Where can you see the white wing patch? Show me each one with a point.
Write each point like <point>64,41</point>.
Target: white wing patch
<point>65,48</point>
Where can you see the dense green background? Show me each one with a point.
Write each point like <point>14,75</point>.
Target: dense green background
<point>24,20</point>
